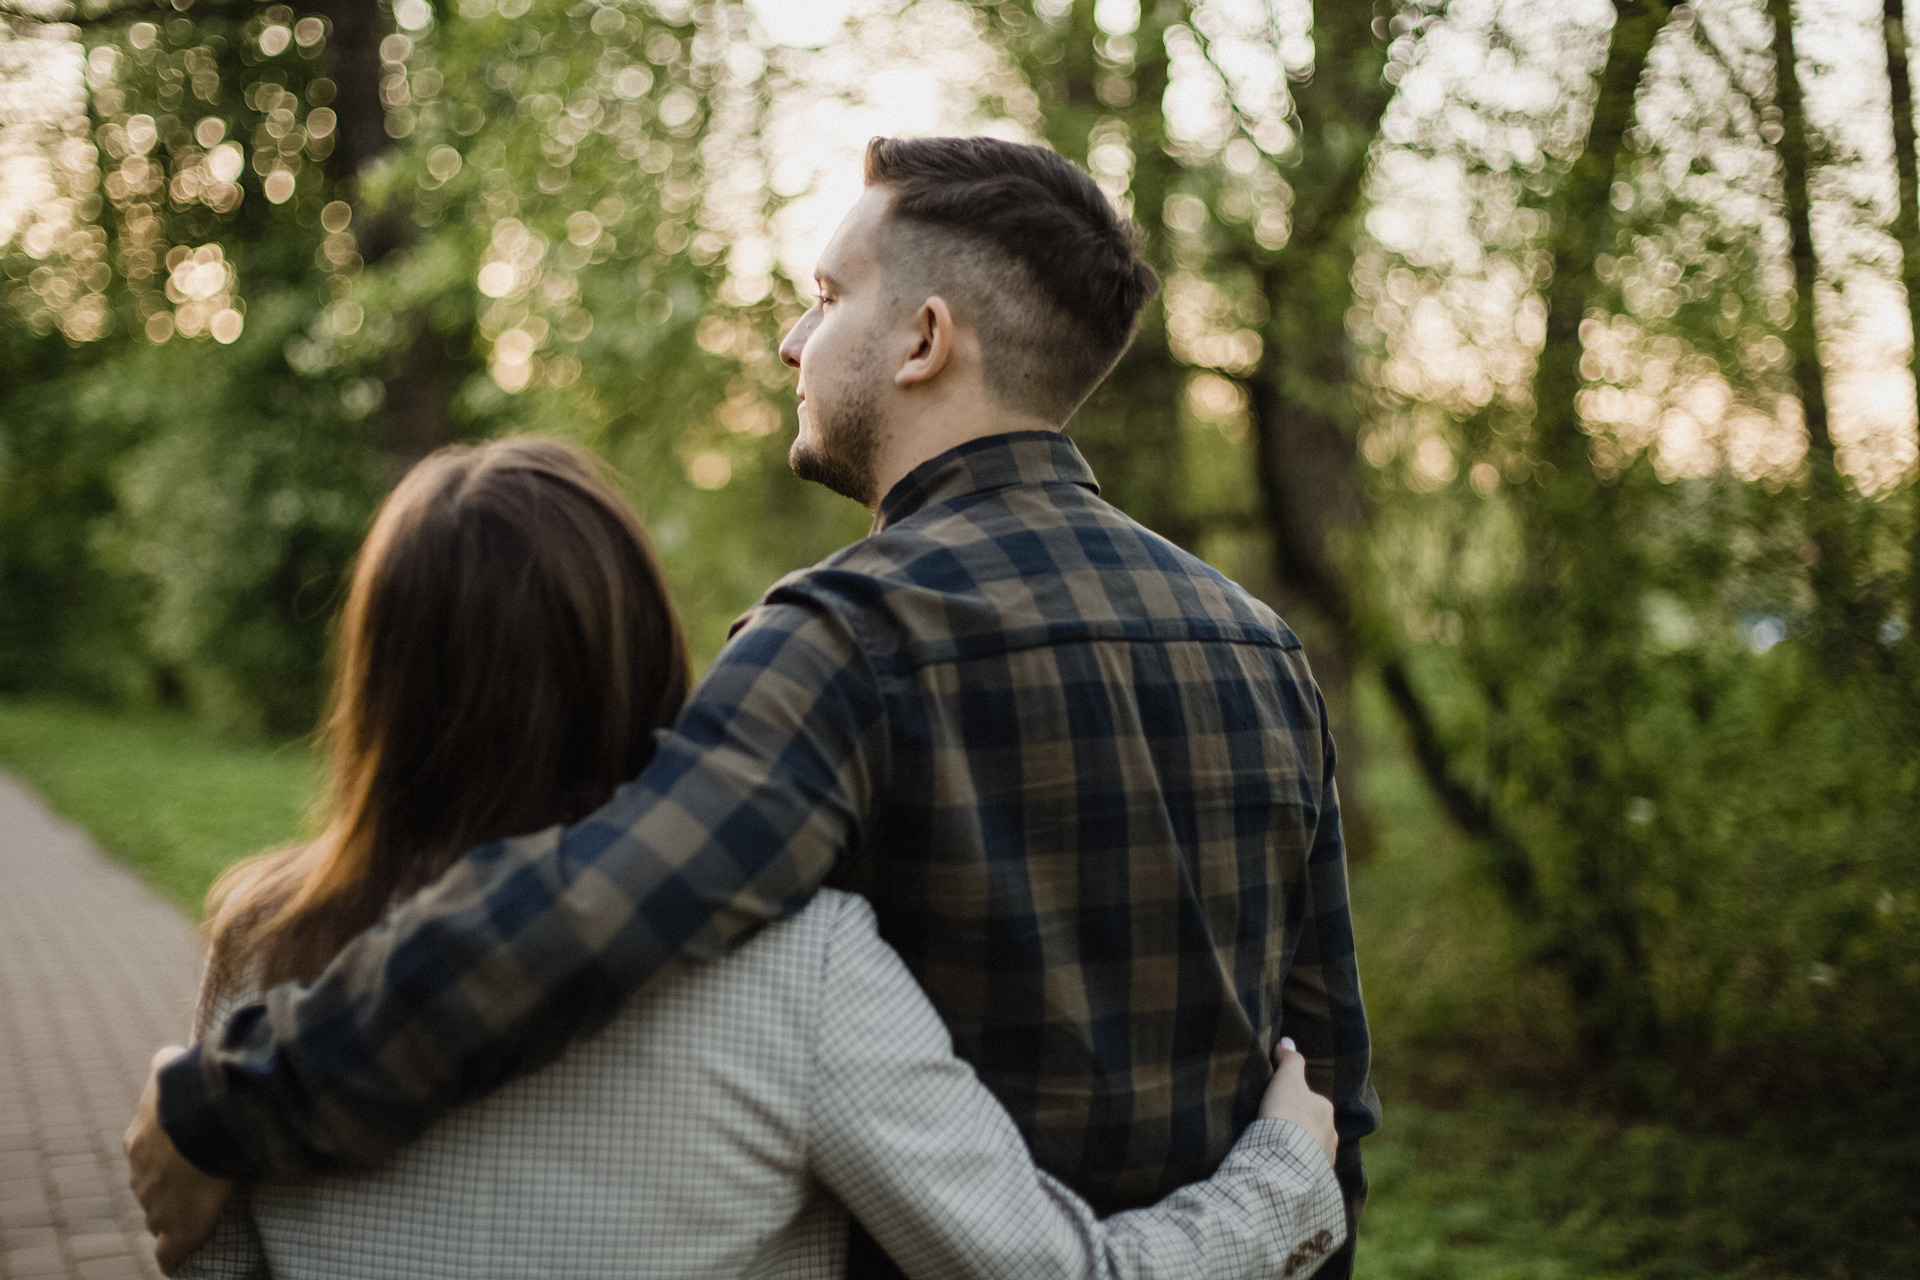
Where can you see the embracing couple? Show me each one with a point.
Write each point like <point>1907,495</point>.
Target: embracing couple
<point>982,911</point>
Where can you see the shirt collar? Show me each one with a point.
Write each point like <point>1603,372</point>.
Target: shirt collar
<point>1018,459</point>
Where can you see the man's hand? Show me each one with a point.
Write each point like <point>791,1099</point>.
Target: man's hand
<point>181,1203</point>
<point>1289,1098</point>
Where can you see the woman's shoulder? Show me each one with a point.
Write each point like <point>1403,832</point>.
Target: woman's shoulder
<point>857,965</point>
<point>840,931</point>
<point>799,947</point>
<point>788,967</point>
<point>836,910</point>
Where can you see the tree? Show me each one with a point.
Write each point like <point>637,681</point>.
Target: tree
<point>343,237</point>
<point>1634,693</point>
<point>1907,231</point>
<point>1574,598</point>
<point>1844,617</point>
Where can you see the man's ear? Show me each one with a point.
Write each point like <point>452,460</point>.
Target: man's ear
<point>933,346</point>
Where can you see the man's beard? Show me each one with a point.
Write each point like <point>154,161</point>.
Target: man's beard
<point>840,450</point>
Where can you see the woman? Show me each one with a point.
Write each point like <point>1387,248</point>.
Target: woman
<point>506,653</point>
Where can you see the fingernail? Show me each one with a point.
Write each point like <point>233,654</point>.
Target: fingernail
<point>1286,1042</point>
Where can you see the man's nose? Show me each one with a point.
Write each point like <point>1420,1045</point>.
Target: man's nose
<point>797,338</point>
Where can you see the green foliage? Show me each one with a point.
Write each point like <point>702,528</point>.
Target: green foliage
<point>162,793</point>
<point>238,510</point>
<point>1691,763</point>
<point>1488,1164</point>
<point>1503,1188</point>
<point>482,225</point>
<point>1714,819</point>
<point>67,623</point>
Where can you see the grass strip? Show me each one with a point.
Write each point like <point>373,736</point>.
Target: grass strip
<point>158,791</point>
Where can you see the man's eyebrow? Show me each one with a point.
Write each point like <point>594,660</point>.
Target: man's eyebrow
<point>825,280</point>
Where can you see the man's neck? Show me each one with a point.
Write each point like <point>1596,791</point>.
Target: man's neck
<point>924,437</point>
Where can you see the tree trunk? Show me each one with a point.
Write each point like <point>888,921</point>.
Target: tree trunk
<point>1839,617</point>
<point>1906,229</point>
<point>416,409</point>
<point>1304,414</point>
<point>1130,427</point>
<point>354,46</point>
<point>1579,591</point>
<point>1583,227</point>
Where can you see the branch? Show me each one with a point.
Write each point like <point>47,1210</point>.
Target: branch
<point>1313,222</point>
<point>1468,808</point>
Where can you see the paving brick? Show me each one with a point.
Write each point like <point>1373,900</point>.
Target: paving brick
<point>55,1269</point>
<point>79,1173</point>
<point>70,1145</point>
<point>84,1217</point>
<point>119,1267</point>
<point>34,1260</point>
<point>23,1213</point>
<point>97,1244</point>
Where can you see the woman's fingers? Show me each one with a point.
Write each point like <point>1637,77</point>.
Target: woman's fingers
<point>1290,1062</point>
<point>1289,1097</point>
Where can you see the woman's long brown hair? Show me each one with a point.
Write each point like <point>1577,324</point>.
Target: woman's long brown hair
<point>506,652</point>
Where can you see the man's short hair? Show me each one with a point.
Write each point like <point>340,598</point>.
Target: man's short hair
<point>1027,248</point>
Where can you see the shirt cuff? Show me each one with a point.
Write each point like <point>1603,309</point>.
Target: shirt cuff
<point>193,1121</point>
<point>1270,1137</point>
<point>1288,1156</point>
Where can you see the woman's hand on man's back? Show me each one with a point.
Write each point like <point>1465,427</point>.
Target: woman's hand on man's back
<point>1289,1098</point>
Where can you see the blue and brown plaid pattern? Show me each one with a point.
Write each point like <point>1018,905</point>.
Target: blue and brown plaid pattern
<point>1085,780</point>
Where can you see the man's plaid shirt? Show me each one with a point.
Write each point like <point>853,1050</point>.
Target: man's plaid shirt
<point>1085,780</point>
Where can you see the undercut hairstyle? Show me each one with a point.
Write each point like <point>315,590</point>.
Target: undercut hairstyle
<point>1026,248</point>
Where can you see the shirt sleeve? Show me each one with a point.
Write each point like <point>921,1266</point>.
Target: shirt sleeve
<point>917,1148</point>
<point>1320,1002</point>
<point>234,1250</point>
<point>529,943</point>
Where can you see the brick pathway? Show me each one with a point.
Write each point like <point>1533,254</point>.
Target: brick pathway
<point>96,972</point>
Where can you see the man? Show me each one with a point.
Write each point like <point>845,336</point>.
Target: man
<point>1085,780</point>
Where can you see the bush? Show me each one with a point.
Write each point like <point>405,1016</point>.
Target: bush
<point>237,512</point>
